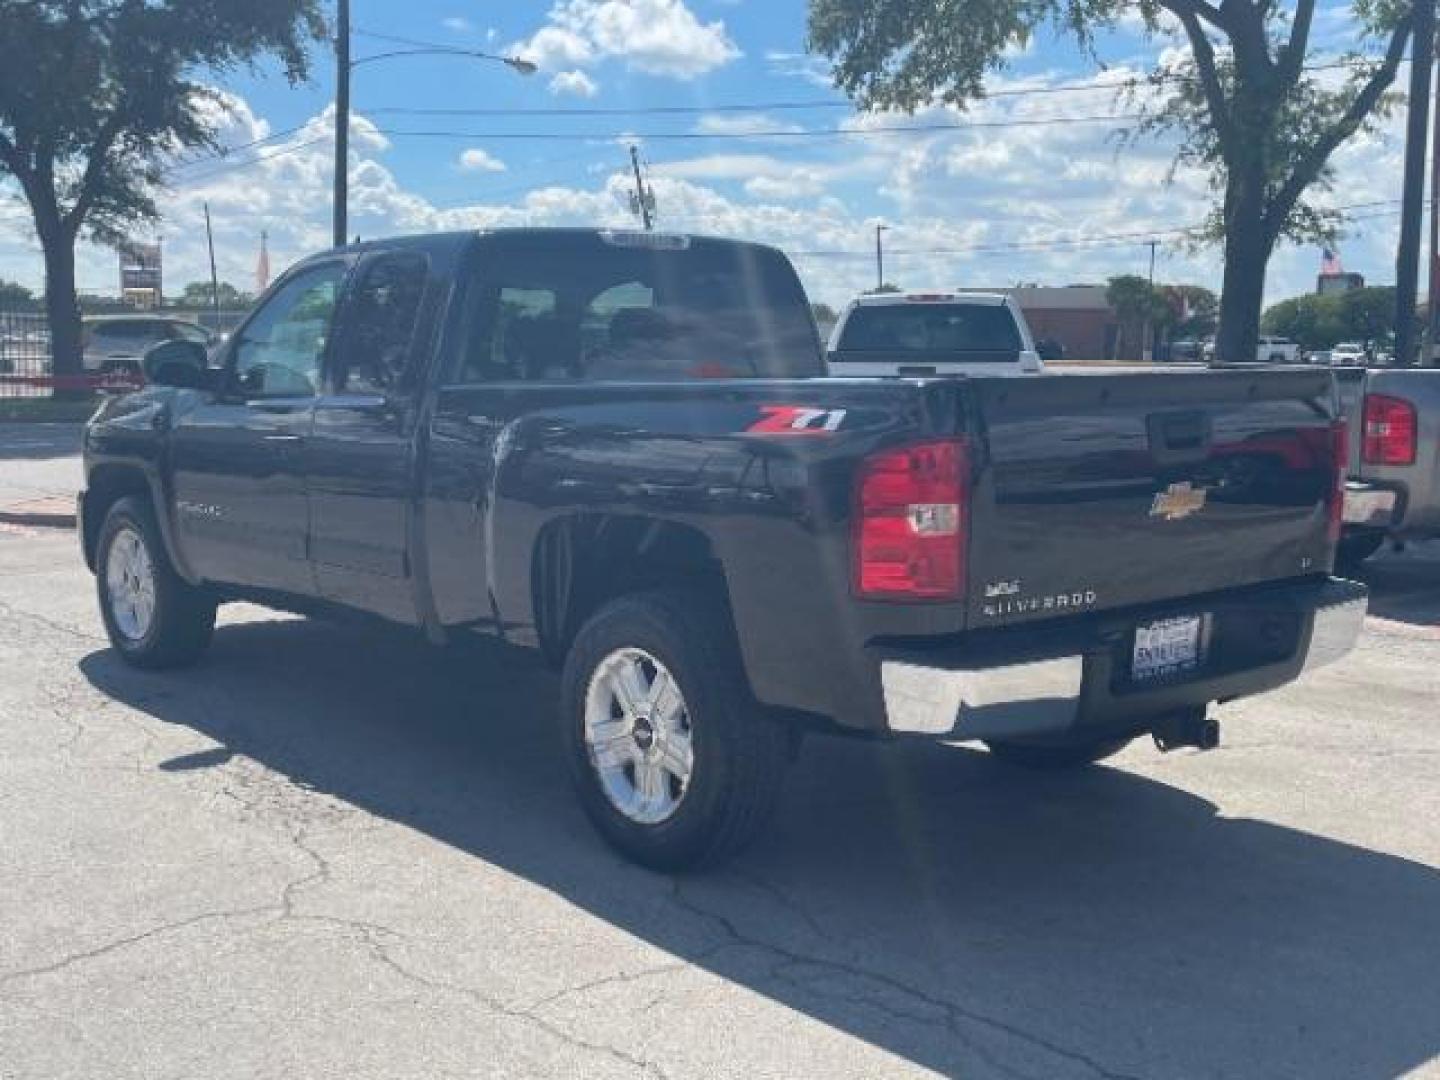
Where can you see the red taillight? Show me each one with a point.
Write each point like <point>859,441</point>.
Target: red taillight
<point>910,524</point>
<point>1340,437</point>
<point>1389,435</point>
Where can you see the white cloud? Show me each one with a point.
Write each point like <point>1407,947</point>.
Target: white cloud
<point>958,202</point>
<point>798,185</point>
<point>656,37</point>
<point>576,83</point>
<point>814,70</point>
<point>742,124</point>
<point>554,47</point>
<point>477,160</point>
<point>458,24</point>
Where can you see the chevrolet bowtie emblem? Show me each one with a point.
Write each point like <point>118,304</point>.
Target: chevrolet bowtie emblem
<point>1177,501</point>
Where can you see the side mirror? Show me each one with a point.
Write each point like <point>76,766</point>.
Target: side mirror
<point>1049,350</point>
<point>183,364</point>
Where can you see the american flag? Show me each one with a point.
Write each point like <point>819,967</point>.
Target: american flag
<point>1330,262</point>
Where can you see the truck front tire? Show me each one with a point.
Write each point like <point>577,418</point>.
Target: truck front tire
<point>154,618</point>
<point>674,763</point>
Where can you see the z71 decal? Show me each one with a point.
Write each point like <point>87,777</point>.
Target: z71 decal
<point>796,420</point>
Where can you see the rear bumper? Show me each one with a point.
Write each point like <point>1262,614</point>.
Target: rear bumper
<point>1367,506</point>
<point>1077,681</point>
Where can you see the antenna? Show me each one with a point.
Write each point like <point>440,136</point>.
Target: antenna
<point>642,199</point>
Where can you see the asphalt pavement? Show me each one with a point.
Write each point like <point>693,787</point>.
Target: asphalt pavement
<point>334,852</point>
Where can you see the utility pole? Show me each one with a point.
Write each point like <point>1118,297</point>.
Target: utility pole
<point>879,257</point>
<point>342,118</point>
<point>1148,349</point>
<point>1412,209</point>
<point>1432,308</point>
<point>214,278</point>
<point>642,201</point>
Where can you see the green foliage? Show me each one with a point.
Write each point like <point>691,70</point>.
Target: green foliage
<point>1245,108</point>
<point>883,287</point>
<point>197,294</point>
<point>98,96</point>
<point>1321,322</point>
<point>15,296</point>
<point>823,313</point>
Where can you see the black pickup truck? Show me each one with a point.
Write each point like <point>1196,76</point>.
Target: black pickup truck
<point>620,449</point>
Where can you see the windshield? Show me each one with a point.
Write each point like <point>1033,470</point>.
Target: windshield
<point>980,332</point>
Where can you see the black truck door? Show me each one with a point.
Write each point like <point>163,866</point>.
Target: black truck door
<point>240,502</point>
<point>360,458</point>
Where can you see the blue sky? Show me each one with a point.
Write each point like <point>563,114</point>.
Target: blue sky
<point>1039,192</point>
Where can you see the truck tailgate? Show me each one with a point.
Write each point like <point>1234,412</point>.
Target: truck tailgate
<point>1097,492</point>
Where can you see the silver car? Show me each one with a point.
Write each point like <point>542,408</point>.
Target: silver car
<point>117,343</point>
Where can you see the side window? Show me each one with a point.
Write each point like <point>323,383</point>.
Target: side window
<point>515,336</point>
<point>380,325</point>
<point>278,354</point>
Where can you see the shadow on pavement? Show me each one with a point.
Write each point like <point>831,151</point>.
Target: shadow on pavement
<point>917,896</point>
<point>1405,586</point>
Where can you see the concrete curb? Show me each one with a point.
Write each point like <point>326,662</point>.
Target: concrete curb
<point>44,513</point>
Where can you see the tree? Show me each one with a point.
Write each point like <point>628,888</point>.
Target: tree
<point>1191,311</point>
<point>15,296</point>
<point>1321,322</point>
<point>96,96</point>
<point>1244,102</point>
<point>1136,303</point>
<point>883,287</point>
<point>198,294</point>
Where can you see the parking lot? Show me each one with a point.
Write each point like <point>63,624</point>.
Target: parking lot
<point>331,852</point>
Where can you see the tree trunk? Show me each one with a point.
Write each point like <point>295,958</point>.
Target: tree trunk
<point>1247,251</point>
<point>62,308</point>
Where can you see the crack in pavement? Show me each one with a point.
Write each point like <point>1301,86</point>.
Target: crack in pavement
<point>953,1012</point>
<point>500,1007</point>
<point>9,609</point>
<point>132,939</point>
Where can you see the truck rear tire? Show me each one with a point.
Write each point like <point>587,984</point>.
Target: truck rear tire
<point>674,763</point>
<point>1053,756</point>
<point>154,618</point>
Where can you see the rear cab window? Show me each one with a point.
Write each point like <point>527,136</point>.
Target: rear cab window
<point>581,307</point>
<point>984,333</point>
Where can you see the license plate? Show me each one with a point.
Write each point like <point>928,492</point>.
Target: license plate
<point>1168,647</point>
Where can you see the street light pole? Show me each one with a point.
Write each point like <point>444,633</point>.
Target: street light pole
<point>342,120</point>
<point>344,65</point>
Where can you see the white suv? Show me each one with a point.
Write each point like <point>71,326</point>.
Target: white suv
<point>932,333</point>
<point>119,342</point>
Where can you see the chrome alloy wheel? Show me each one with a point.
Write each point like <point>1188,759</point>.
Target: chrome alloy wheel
<point>130,584</point>
<point>637,735</point>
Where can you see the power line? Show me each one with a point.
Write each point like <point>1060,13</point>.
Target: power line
<point>779,106</point>
<point>778,133</point>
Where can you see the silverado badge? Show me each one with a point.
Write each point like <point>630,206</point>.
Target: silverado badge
<point>1177,501</point>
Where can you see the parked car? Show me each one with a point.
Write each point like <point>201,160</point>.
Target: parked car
<point>616,449</point>
<point>1349,354</point>
<point>1269,350</point>
<point>1394,471</point>
<point>117,343</point>
<point>933,333</point>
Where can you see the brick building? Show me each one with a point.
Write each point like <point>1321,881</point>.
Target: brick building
<point>1076,316</point>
